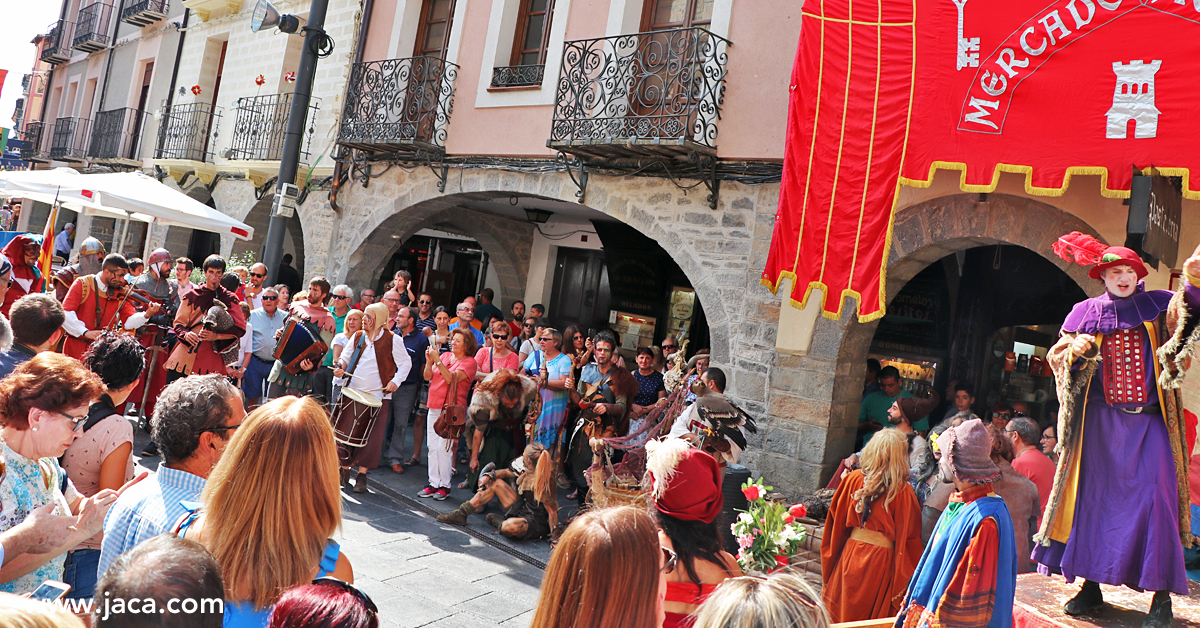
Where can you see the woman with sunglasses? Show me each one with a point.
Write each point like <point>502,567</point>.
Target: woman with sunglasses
<point>498,355</point>
<point>323,603</point>
<point>687,499</point>
<point>43,405</point>
<point>286,538</point>
<point>607,571</point>
<point>530,332</point>
<point>578,348</point>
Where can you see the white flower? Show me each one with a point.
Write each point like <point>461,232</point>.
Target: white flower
<point>745,517</point>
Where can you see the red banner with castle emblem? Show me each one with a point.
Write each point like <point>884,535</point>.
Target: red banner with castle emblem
<point>885,92</point>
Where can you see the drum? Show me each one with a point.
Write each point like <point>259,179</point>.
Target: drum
<point>354,417</point>
<point>299,342</point>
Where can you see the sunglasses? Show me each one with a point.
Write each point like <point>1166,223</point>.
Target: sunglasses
<point>223,428</point>
<point>259,275</point>
<point>425,302</point>
<point>669,559</point>
<point>499,337</point>
<point>340,296</point>
<point>346,586</point>
<point>670,348</point>
<point>270,298</point>
<point>1000,415</point>
<point>578,337</point>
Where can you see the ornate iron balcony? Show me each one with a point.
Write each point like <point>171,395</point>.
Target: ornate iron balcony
<point>57,46</point>
<point>144,13</point>
<point>399,105</point>
<point>646,94</point>
<point>188,132</point>
<point>517,75</point>
<point>261,126</point>
<point>70,139</point>
<point>116,135</point>
<point>35,141</point>
<point>91,29</point>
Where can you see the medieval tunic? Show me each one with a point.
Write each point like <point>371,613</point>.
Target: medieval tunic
<point>25,279</point>
<point>89,307</point>
<point>192,308</point>
<point>967,577</point>
<point>863,578</point>
<point>1114,515</point>
<point>318,318</point>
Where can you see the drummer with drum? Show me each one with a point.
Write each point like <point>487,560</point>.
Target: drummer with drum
<point>376,363</point>
<point>204,334</point>
<point>100,302</point>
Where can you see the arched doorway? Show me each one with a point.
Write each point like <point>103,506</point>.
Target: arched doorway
<point>259,217</point>
<point>931,241</point>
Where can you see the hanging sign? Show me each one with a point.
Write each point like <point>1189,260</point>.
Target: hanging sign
<point>886,92</point>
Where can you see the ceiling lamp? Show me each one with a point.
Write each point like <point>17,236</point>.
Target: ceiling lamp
<point>537,216</point>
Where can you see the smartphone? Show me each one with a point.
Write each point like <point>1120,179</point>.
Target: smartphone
<point>49,591</point>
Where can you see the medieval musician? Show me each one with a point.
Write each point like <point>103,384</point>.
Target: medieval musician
<point>100,302</point>
<point>156,282</point>
<point>206,336</point>
<point>89,261</point>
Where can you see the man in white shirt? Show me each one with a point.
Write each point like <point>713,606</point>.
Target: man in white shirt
<point>62,242</point>
<point>96,303</point>
<point>258,274</point>
<point>689,426</point>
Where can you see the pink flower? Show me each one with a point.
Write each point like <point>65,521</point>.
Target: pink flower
<point>745,541</point>
<point>752,492</point>
<point>798,510</point>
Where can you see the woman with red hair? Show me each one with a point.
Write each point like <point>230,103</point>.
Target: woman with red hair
<point>326,603</point>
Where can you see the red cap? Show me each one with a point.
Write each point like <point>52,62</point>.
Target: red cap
<point>1117,256</point>
<point>693,489</point>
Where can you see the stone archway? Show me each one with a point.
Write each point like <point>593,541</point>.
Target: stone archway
<point>377,219</point>
<point>922,234</point>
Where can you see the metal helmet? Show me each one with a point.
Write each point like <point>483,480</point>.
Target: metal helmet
<point>158,256</point>
<point>91,246</point>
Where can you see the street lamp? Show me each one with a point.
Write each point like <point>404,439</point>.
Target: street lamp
<point>316,45</point>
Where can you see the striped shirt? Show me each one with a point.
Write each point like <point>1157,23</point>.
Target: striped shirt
<point>147,509</point>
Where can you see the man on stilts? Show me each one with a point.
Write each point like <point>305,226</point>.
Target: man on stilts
<point>1119,510</point>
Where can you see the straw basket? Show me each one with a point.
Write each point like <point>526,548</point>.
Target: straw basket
<point>616,491</point>
<point>808,557</point>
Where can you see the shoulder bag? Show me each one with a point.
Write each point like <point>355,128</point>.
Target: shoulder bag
<point>453,420</point>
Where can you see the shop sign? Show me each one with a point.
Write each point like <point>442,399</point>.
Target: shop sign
<point>886,92</point>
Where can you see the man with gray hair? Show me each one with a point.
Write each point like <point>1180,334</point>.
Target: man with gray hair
<point>265,323</point>
<point>466,316</point>
<point>1030,461</point>
<point>322,381</point>
<point>166,581</point>
<point>193,421</point>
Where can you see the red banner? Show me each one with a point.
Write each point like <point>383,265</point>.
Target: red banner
<point>885,92</point>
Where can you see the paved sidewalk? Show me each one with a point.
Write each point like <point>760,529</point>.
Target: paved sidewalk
<point>422,573</point>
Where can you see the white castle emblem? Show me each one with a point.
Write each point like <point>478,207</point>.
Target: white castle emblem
<point>1133,99</point>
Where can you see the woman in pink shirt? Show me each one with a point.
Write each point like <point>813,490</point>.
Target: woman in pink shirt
<point>497,356</point>
<point>457,365</point>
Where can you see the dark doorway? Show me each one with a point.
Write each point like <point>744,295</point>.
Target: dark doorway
<point>580,295</point>
<point>450,270</point>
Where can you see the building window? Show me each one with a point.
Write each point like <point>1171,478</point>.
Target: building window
<point>528,61</point>
<point>433,34</point>
<point>661,15</point>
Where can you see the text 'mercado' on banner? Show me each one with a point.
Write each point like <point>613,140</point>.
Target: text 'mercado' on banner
<point>885,92</point>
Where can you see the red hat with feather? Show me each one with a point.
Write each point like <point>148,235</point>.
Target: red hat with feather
<point>1083,249</point>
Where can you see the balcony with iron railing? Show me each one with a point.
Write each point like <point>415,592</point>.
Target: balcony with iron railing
<point>188,132</point>
<point>70,139</point>
<point>655,94</point>
<point>518,75</point>
<point>35,137</point>
<point>91,28</point>
<point>260,128</point>
<point>56,47</point>
<point>399,105</point>
<point>144,12</point>
<point>116,136</point>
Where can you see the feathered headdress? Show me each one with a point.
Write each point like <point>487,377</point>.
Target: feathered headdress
<point>1080,248</point>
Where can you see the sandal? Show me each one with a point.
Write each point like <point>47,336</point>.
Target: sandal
<point>412,462</point>
<point>464,484</point>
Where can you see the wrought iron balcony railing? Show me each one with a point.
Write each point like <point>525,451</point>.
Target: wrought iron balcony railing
<point>57,46</point>
<point>144,12</point>
<point>399,105</point>
<point>116,135</point>
<point>518,75</point>
<point>646,94</point>
<point>35,142</point>
<point>261,126</point>
<point>91,29</point>
<point>188,132</point>
<point>70,139</point>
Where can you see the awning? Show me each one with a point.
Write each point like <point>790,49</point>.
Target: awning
<point>131,195</point>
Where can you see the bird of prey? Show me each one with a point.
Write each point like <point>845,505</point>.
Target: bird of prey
<point>722,419</point>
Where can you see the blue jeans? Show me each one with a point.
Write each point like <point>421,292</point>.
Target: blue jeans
<point>254,383</point>
<point>81,573</point>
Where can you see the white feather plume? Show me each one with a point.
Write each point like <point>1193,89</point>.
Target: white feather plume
<point>661,459</point>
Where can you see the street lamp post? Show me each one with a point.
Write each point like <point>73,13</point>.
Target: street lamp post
<point>315,40</point>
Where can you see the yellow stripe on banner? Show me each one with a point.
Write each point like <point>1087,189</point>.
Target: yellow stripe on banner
<point>837,168</point>
<point>1061,529</point>
<point>812,149</point>
<point>857,22</point>
<point>1100,171</point>
<point>862,206</point>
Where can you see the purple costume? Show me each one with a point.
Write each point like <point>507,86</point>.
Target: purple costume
<point>1125,529</point>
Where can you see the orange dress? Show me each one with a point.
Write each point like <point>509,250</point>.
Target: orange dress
<point>866,580</point>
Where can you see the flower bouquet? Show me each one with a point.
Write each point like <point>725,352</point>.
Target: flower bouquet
<point>767,532</point>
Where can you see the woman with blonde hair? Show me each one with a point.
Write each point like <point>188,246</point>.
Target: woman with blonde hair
<point>779,599</point>
<point>872,539</point>
<point>285,540</point>
<point>608,571</point>
<point>22,612</point>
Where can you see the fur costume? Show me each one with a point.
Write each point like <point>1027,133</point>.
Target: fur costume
<point>486,404</point>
